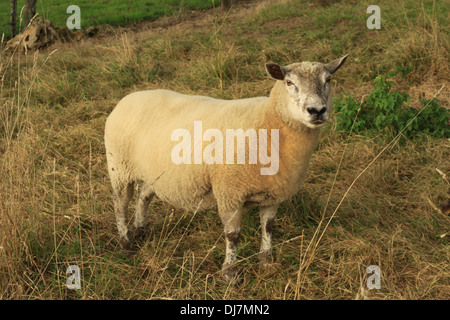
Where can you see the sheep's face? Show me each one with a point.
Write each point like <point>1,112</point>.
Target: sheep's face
<point>307,85</point>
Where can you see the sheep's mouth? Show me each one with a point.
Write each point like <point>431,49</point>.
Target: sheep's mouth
<point>318,122</point>
<point>315,124</point>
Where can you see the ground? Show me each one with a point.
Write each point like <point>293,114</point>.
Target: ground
<point>55,200</point>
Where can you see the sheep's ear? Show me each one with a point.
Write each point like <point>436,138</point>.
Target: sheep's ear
<point>275,71</point>
<point>334,65</point>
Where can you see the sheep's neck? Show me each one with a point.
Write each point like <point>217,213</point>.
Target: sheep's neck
<point>296,145</point>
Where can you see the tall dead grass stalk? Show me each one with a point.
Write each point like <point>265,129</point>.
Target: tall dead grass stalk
<point>304,265</point>
<point>17,81</point>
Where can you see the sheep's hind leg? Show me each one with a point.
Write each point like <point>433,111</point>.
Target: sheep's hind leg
<point>267,217</point>
<point>232,222</point>
<point>123,194</point>
<point>145,197</point>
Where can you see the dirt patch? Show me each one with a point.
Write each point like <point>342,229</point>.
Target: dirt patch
<point>41,33</point>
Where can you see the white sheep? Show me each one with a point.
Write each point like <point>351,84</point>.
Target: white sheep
<point>142,132</point>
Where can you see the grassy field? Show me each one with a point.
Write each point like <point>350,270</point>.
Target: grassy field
<point>55,196</point>
<point>112,12</point>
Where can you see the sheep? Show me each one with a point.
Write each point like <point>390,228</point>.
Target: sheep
<point>142,132</point>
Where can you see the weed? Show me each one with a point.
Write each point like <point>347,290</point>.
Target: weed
<point>384,110</point>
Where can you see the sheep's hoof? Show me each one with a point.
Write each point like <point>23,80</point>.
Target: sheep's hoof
<point>231,274</point>
<point>127,247</point>
<point>266,259</point>
<point>139,235</point>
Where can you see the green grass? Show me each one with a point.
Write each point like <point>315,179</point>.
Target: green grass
<point>111,12</point>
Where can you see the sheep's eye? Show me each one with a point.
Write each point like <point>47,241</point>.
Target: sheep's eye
<point>289,82</point>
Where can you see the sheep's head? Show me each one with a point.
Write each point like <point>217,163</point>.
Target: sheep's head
<point>307,85</point>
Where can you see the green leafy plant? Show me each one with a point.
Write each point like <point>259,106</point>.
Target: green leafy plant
<point>384,109</point>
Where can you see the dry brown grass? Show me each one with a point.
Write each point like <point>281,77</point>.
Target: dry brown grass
<point>55,198</point>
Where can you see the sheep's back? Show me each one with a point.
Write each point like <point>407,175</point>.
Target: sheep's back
<point>139,132</point>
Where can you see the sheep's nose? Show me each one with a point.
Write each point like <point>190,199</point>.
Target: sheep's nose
<point>316,112</point>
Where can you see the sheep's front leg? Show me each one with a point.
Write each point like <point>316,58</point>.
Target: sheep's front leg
<point>267,216</point>
<point>232,228</point>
